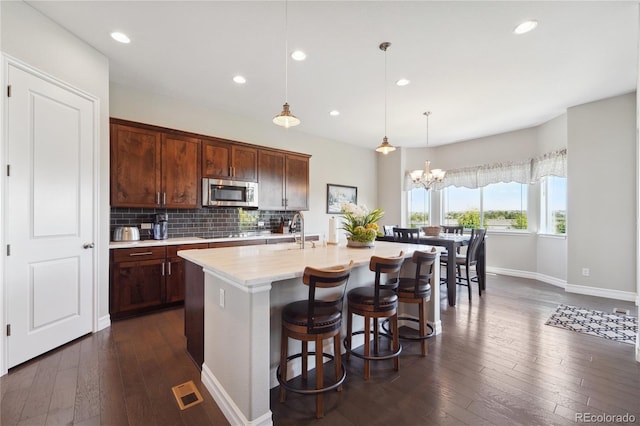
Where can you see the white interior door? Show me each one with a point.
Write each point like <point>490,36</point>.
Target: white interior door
<point>48,215</point>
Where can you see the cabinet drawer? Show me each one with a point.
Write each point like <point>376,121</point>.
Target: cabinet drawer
<point>138,253</point>
<point>172,251</point>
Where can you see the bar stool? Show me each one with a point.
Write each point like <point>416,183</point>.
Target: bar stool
<point>417,290</point>
<point>372,303</point>
<point>314,320</point>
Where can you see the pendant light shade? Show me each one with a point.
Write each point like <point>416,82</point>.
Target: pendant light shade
<point>285,118</point>
<point>385,147</point>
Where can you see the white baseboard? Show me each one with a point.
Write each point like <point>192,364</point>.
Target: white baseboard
<point>569,288</point>
<point>104,322</point>
<point>601,292</point>
<point>230,410</point>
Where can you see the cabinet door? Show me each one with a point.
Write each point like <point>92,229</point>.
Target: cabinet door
<point>271,180</point>
<point>216,160</point>
<point>175,280</point>
<point>180,171</point>
<point>244,163</point>
<point>297,182</point>
<point>135,167</point>
<point>137,286</point>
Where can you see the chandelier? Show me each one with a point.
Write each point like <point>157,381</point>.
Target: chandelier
<point>427,177</point>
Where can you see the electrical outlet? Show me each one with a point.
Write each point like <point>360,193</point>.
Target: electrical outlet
<point>145,226</point>
<point>585,272</point>
<point>260,224</point>
<point>222,298</point>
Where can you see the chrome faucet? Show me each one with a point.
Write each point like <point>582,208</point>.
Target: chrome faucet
<point>293,221</point>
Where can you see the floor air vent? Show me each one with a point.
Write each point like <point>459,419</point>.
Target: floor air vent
<point>187,395</point>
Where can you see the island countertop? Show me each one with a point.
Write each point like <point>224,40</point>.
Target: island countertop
<point>254,265</point>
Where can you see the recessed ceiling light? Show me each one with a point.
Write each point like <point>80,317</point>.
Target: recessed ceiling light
<point>334,113</point>
<point>239,79</point>
<point>525,27</point>
<point>403,82</point>
<point>121,37</point>
<point>298,55</point>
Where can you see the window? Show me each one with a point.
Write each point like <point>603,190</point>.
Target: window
<point>419,202</point>
<point>553,205</point>
<point>499,206</point>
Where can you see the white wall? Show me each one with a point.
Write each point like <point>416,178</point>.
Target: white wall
<point>601,194</point>
<point>32,38</point>
<point>331,161</point>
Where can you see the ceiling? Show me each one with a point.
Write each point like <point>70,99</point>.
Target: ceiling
<point>462,58</point>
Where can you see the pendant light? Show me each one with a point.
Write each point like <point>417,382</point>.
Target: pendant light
<point>285,118</point>
<point>427,177</point>
<point>385,147</point>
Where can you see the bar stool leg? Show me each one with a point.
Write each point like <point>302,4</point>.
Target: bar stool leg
<point>367,346</point>
<point>423,325</point>
<point>349,335</point>
<point>376,347</point>
<point>319,379</point>
<point>337,358</point>
<point>305,360</point>
<point>396,341</point>
<point>284,345</point>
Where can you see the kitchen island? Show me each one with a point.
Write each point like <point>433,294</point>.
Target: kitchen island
<point>244,291</point>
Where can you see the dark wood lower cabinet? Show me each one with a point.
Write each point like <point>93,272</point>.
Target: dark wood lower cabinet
<point>194,312</point>
<point>144,279</point>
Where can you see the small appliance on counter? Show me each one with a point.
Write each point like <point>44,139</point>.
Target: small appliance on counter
<point>126,233</point>
<point>161,227</point>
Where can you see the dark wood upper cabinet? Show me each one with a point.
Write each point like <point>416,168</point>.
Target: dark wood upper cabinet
<point>284,181</point>
<point>180,171</point>
<point>152,168</point>
<point>135,166</point>
<point>225,160</point>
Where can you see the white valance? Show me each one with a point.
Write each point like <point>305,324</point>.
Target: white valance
<point>550,164</point>
<point>524,171</point>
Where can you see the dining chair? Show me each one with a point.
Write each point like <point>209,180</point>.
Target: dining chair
<point>467,260</point>
<point>388,230</point>
<point>451,229</point>
<point>406,235</point>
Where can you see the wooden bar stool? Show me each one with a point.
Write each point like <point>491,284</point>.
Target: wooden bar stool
<point>372,303</point>
<point>417,290</point>
<point>314,320</point>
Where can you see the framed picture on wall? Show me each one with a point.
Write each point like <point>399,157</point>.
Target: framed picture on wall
<point>339,194</point>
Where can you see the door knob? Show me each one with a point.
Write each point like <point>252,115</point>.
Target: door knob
<point>88,245</point>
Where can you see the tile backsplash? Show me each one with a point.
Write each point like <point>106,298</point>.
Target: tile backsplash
<point>204,222</point>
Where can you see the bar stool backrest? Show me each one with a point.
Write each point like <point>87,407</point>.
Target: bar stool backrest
<point>334,280</point>
<point>390,266</point>
<point>424,269</point>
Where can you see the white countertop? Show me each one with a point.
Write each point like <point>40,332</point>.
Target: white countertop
<point>196,240</point>
<point>254,265</point>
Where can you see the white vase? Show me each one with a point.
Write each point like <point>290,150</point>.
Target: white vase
<point>358,244</point>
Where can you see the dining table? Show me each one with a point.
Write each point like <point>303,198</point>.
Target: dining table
<point>452,242</point>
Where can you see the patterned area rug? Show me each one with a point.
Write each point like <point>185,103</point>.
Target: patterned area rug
<point>618,327</point>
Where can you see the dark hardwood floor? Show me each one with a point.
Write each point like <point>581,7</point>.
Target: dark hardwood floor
<point>496,363</point>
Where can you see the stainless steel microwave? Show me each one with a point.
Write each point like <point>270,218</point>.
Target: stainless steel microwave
<point>229,193</point>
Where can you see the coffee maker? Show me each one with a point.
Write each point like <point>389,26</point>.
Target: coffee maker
<point>161,227</point>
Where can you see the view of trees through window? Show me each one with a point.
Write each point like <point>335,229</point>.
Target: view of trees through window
<point>418,200</point>
<point>497,206</point>
<point>553,217</point>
